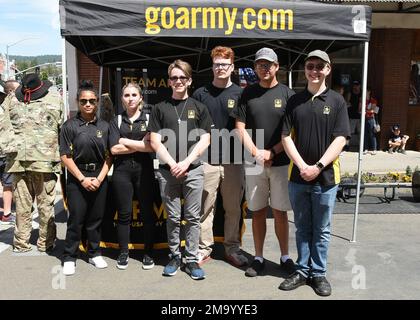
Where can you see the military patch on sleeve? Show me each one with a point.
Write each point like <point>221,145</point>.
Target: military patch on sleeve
<point>99,134</point>
<point>277,103</point>
<point>231,103</point>
<point>327,109</point>
<point>191,114</point>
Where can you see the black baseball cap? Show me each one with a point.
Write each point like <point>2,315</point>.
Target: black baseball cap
<point>395,127</point>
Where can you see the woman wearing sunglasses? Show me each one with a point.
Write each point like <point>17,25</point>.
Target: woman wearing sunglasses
<point>84,152</point>
<point>133,173</point>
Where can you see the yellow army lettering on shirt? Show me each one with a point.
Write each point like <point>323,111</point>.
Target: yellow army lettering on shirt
<point>191,114</point>
<point>36,128</point>
<point>277,103</point>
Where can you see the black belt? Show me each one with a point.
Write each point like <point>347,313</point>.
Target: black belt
<point>89,166</point>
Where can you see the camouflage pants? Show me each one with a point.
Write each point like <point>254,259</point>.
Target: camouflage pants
<point>27,187</point>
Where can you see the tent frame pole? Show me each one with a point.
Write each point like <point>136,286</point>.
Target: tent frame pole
<point>66,110</point>
<point>361,146</point>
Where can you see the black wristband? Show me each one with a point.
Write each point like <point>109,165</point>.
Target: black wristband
<point>319,165</point>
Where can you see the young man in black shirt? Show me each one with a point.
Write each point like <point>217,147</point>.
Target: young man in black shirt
<point>221,97</point>
<point>314,132</point>
<point>181,124</point>
<point>262,107</point>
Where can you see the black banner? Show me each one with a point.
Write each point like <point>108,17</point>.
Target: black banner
<point>223,18</point>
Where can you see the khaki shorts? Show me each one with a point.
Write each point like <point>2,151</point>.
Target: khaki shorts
<point>270,188</point>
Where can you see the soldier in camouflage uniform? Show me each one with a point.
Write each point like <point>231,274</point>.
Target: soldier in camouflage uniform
<point>30,122</point>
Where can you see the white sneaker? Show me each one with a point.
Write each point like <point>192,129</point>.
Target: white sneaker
<point>69,268</point>
<point>98,262</point>
<point>203,257</point>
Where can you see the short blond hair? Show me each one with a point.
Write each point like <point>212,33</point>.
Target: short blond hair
<point>181,65</point>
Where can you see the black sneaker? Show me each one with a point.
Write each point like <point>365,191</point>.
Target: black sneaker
<point>293,281</point>
<point>122,261</point>
<point>172,267</point>
<point>195,271</point>
<point>148,262</point>
<point>255,269</point>
<point>321,286</point>
<point>288,266</point>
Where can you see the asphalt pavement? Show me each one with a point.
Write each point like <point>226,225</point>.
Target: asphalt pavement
<point>382,262</point>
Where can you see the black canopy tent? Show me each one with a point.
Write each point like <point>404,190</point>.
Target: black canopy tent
<point>125,33</point>
<point>128,33</point>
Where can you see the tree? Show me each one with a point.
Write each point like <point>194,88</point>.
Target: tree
<point>44,75</point>
<point>22,65</point>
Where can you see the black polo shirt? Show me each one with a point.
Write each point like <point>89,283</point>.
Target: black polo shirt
<point>314,122</point>
<point>190,116</point>
<point>264,108</point>
<point>220,103</point>
<point>85,142</point>
<point>131,130</point>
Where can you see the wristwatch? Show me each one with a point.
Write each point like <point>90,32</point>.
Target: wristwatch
<point>319,165</point>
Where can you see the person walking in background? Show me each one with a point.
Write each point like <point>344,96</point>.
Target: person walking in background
<point>133,172</point>
<point>221,97</point>
<point>34,117</point>
<point>319,121</point>
<point>84,152</point>
<point>181,124</point>
<point>262,106</point>
<point>372,110</point>
<point>354,109</point>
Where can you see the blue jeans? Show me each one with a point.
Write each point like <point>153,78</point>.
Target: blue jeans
<point>370,138</point>
<point>313,206</point>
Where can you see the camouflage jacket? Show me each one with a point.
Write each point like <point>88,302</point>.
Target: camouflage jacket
<point>7,134</point>
<point>31,133</point>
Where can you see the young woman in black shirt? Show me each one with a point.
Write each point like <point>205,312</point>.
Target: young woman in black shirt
<point>84,152</point>
<point>133,172</point>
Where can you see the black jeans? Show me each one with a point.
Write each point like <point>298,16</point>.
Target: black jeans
<point>132,178</point>
<point>86,209</point>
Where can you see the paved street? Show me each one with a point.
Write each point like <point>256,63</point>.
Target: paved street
<point>374,267</point>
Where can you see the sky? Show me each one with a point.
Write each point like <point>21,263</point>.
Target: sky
<point>34,23</point>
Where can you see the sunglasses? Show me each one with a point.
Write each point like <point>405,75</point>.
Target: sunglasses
<point>318,67</point>
<point>221,65</point>
<point>181,78</point>
<point>265,66</point>
<point>83,102</point>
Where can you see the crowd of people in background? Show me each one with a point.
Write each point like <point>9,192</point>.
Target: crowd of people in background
<point>290,167</point>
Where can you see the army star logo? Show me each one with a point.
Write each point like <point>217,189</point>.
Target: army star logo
<point>277,103</point>
<point>327,109</point>
<point>231,103</point>
<point>191,114</point>
<point>99,133</point>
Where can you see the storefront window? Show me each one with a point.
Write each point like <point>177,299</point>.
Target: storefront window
<point>414,92</point>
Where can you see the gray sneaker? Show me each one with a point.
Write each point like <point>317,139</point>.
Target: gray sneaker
<point>237,259</point>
